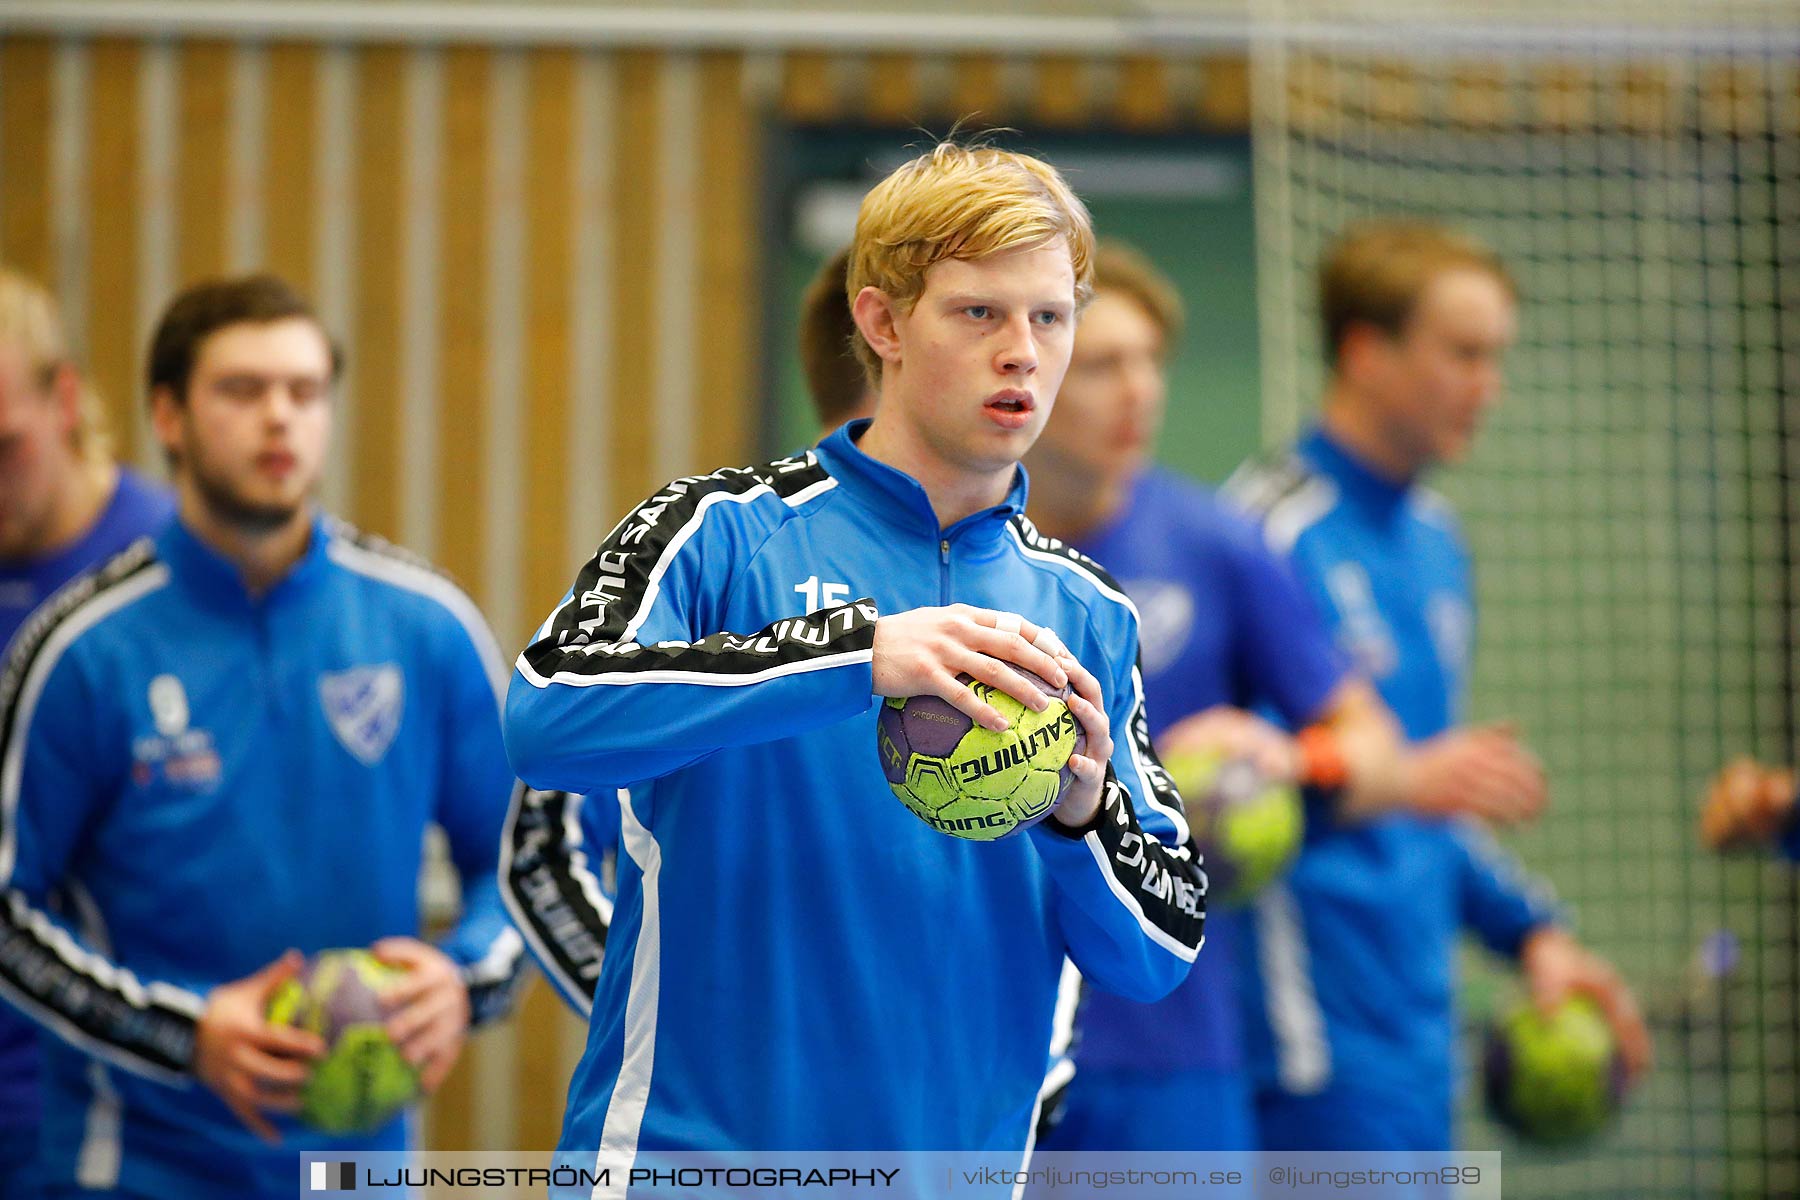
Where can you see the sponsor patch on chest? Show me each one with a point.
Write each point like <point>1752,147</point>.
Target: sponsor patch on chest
<point>363,707</point>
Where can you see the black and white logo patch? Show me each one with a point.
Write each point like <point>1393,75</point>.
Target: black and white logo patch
<point>363,706</point>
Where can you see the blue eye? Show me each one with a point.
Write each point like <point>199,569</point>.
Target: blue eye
<point>980,312</point>
<point>1049,318</point>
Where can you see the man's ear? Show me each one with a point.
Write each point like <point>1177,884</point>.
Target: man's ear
<point>65,388</point>
<point>1362,348</point>
<point>877,320</point>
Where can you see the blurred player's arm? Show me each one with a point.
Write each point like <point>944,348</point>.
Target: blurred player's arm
<point>56,774</point>
<point>1752,805</point>
<point>60,764</point>
<point>1351,753</point>
<point>1354,752</point>
<point>630,678</point>
<point>1501,903</point>
<point>1517,916</point>
<point>1130,891</point>
<point>1356,748</point>
<point>471,975</point>
<point>1349,747</point>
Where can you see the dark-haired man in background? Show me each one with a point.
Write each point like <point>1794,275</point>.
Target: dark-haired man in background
<point>835,381</point>
<point>223,747</point>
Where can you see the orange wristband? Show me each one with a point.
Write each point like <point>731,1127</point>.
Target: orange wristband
<point>1322,762</point>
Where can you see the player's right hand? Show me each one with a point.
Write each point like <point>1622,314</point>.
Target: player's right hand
<point>1556,967</point>
<point>1748,804</point>
<point>1478,771</point>
<point>251,1064</point>
<point>921,652</point>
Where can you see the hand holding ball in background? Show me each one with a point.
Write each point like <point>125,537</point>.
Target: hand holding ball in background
<point>253,1065</point>
<point>343,1040</point>
<point>1558,968</point>
<point>1236,774</point>
<point>1558,1068</point>
<point>1553,1078</point>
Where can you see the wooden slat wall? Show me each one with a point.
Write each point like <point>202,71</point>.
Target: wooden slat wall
<point>508,332</point>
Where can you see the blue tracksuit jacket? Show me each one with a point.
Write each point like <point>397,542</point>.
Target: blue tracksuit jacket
<point>193,782</point>
<point>1356,952</point>
<point>138,507</point>
<point>795,961</point>
<point>1224,622</point>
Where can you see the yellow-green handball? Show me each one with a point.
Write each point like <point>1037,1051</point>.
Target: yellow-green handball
<point>1555,1079</point>
<point>971,782</point>
<point>363,1081</point>
<point>1246,826</point>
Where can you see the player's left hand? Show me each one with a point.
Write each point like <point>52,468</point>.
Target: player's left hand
<point>428,1009</point>
<point>1557,967</point>
<point>1748,804</point>
<point>1088,704</point>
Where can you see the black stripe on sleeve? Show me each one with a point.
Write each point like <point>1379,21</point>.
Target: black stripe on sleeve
<point>89,1002</point>
<point>547,880</point>
<point>1165,882</point>
<point>612,588</point>
<point>81,995</point>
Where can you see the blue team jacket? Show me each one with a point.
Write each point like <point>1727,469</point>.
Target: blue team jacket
<point>795,961</point>
<point>195,781</point>
<point>1224,622</point>
<point>1355,955</point>
<point>138,507</point>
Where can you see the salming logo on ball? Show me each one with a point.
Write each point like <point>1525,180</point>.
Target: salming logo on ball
<point>1019,753</point>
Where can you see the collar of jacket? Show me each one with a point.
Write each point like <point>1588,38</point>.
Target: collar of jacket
<point>216,579</point>
<point>1356,479</point>
<point>900,499</point>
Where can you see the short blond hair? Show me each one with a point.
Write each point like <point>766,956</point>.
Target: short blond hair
<point>1376,272</point>
<point>30,321</point>
<point>963,202</point>
<point>1123,269</point>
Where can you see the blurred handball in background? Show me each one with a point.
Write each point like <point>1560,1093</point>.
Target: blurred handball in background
<point>1246,825</point>
<point>363,1080</point>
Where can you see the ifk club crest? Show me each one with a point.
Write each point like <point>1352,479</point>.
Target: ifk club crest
<point>363,706</point>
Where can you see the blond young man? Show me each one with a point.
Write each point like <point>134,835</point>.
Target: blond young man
<point>64,506</point>
<point>795,961</point>
<point>1356,949</point>
<point>64,503</point>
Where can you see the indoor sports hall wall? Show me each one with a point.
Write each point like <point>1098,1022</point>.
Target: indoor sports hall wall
<point>545,252</point>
